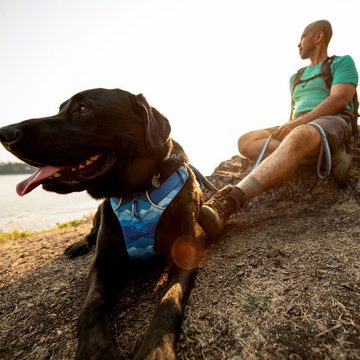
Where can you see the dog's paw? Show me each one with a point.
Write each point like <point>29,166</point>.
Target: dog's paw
<point>104,353</point>
<point>77,249</point>
<point>95,343</point>
<point>156,354</point>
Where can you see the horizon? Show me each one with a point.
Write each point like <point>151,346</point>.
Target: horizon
<point>203,64</point>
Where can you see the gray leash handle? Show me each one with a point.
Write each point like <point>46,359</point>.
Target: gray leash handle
<point>324,148</point>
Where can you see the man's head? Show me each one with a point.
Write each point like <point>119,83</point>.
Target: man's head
<point>316,36</point>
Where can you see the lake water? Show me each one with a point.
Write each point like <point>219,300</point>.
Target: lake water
<point>39,209</point>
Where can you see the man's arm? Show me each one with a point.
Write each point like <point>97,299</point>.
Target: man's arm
<point>340,96</point>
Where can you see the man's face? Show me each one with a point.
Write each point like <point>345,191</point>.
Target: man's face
<point>307,44</point>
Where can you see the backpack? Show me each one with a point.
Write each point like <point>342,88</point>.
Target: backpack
<point>325,73</point>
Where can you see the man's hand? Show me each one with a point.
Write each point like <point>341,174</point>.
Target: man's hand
<point>340,96</point>
<point>284,130</point>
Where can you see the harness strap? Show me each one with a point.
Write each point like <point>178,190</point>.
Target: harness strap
<point>325,74</point>
<point>140,213</point>
<point>178,176</point>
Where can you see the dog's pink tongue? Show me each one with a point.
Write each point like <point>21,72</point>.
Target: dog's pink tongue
<point>36,179</point>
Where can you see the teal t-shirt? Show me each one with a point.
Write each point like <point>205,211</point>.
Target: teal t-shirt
<point>307,95</point>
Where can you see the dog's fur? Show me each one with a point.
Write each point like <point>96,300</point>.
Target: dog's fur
<point>133,140</point>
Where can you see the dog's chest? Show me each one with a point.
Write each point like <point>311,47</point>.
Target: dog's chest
<point>139,214</point>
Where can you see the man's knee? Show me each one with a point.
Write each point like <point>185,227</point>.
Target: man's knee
<point>305,139</point>
<point>243,143</point>
<point>247,141</point>
<point>304,132</point>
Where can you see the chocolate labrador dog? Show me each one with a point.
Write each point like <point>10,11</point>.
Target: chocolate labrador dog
<point>115,146</point>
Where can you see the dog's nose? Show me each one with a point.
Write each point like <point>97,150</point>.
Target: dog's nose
<point>9,134</point>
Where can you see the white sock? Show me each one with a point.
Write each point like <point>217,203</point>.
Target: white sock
<point>250,187</point>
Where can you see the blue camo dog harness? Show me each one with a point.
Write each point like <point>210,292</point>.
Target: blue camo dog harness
<point>139,214</point>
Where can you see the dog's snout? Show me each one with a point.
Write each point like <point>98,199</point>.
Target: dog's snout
<point>9,134</point>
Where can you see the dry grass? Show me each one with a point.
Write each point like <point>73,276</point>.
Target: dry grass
<point>281,282</point>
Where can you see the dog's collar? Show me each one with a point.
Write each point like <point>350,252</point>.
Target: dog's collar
<point>160,191</point>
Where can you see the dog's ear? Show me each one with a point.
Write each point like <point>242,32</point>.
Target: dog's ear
<point>157,127</point>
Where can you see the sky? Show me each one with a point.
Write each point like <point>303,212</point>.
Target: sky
<point>215,68</point>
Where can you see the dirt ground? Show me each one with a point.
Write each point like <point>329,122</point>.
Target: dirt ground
<point>281,282</point>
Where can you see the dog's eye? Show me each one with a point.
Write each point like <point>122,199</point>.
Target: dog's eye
<point>84,108</point>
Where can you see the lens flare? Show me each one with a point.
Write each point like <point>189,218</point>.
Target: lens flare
<point>185,253</point>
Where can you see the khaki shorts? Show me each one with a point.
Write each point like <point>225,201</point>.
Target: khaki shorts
<point>335,127</point>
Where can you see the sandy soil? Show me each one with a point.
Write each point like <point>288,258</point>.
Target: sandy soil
<point>281,282</point>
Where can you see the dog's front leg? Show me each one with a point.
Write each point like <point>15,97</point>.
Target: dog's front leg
<point>82,247</point>
<point>108,275</point>
<point>160,339</point>
<point>94,336</point>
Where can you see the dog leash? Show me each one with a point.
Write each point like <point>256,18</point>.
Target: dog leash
<point>261,154</point>
<point>202,180</point>
<point>324,148</point>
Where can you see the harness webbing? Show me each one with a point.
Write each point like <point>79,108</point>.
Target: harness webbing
<point>325,74</point>
<point>140,213</point>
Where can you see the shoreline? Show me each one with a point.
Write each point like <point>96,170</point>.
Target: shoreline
<point>40,209</point>
<point>26,233</point>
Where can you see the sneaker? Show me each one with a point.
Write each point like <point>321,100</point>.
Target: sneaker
<point>341,165</point>
<point>215,212</point>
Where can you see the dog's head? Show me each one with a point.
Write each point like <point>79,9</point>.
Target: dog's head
<point>91,143</point>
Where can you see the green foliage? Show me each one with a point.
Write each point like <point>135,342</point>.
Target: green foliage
<point>24,233</point>
<point>66,298</point>
<point>15,168</point>
<point>191,333</point>
<point>68,224</point>
<point>14,235</point>
<point>256,303</point>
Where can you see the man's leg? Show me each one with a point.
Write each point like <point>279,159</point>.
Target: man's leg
<point>303,141</point>
<point>251,143</point>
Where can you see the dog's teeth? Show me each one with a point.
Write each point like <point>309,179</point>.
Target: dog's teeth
<point>81,166</point>
<point>88,162</point>
<point>56,175</point>
<point>94,158</point>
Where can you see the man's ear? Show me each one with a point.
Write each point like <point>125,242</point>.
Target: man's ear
<point>157,127</point>
<point>320,36</point>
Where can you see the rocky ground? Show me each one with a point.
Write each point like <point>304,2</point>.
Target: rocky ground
<point>281,282</point>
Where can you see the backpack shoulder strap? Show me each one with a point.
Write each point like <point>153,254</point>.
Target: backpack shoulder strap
<point>325,71</point>
<point>297,79</point>
<point>296,82</point>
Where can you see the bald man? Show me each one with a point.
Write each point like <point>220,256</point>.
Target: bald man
<point>297,139</point>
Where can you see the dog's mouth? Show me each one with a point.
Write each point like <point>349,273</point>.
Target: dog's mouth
<point>88,170</point>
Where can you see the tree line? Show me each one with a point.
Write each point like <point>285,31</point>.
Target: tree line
<point>7,168</point>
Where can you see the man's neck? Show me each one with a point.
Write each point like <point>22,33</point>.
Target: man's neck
<point>318,58</point>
